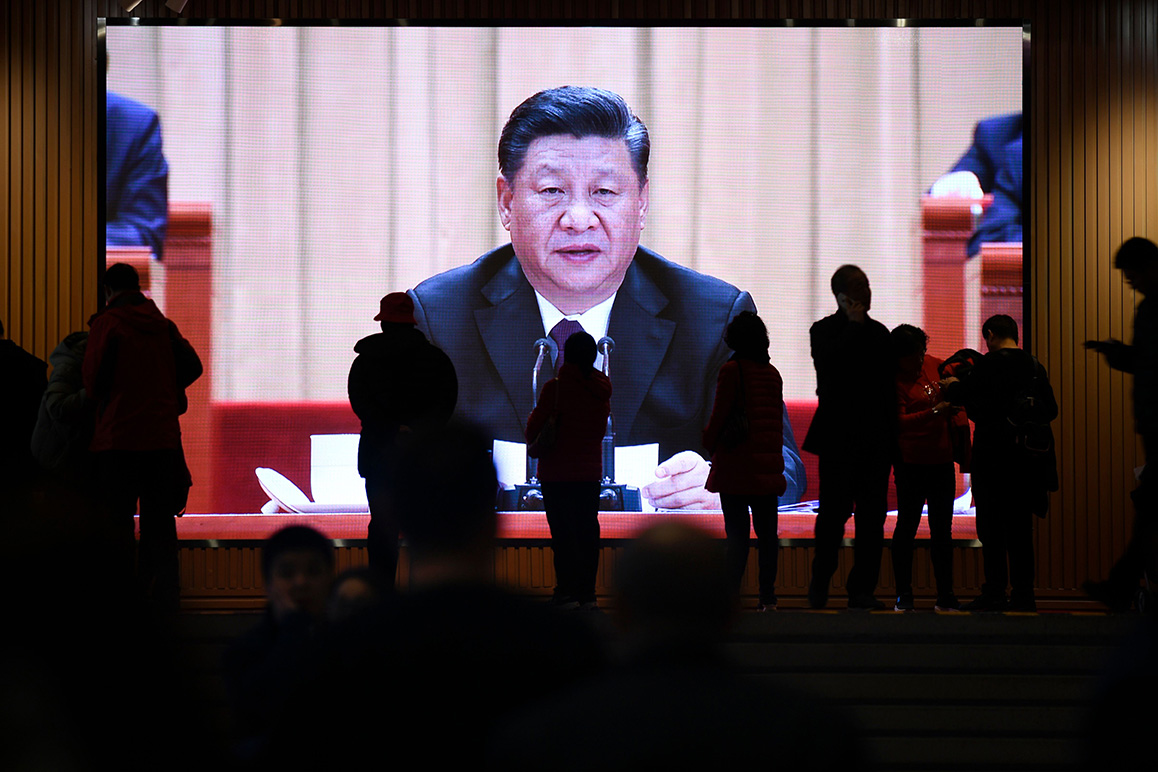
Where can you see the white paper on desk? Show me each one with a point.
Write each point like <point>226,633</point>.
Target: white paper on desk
<point>334,477</point>
<point>634,465</point>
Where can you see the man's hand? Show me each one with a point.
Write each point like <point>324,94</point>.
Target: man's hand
<point>681,484</point>
<point>957,185</point>
<point>1103,346</point>
<point>854,309</point>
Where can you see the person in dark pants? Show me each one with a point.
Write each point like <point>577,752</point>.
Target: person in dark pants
<point>136,369</point>
<point>578,400</point>
<point>924,471</point>
<point>1008,397</point>
<point>854,433</point>
<point>400,384</point>
<point>1137,259</point>
<point>747,466</point>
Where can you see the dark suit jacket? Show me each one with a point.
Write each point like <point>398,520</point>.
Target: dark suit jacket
<point>136,176</point>
<point>856,398</point>
<point>667,323</point>
<point>995,157</point>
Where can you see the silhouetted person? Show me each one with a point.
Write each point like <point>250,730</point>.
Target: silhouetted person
<point>23,378</point>
<point>262,667</point>
<point>744,438</point>
<point>1137,259</point>
<point>136,369</point>
<point>64,424</point>
<point>578,402</point>
<point>354,591</point>
<point>427,673</point>
<point>399,384</point>
<point>926,423</point>
<point>1008,397</point>
<point>854,433</point>
<point>675,700</point>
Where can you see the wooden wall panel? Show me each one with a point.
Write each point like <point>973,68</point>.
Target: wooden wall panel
<point>1094,164</point>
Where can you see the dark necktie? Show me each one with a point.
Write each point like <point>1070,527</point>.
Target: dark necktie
<point>561,332</point>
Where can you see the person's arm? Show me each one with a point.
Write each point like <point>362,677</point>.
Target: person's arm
<point>722,406</point>
<point>542,411</point>
<point>185,359</point>
<point>794,474</point>
<point>140,213</point>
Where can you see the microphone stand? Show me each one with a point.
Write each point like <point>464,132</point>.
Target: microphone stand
<point>529,495</point>
<point>613,496</point>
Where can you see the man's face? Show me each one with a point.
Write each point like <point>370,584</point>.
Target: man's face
<point>574,210</point>
<point>1139,279</point>
<point>858,289</point>
<point>299,581</point>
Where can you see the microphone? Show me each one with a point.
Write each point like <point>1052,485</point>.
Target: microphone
<point>544,348</point>
<point>605,346</point>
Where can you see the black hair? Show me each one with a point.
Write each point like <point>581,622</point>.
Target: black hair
<point>445,499</point>
<point>844,277</point>
<point>747,335</point>
<point>122,276</point>
<point>295,538</point>
<point>579,349</point>
<point>1136,253</point>
<point>908,339</point>
<point>1001,325</point>
<point>580,111</point>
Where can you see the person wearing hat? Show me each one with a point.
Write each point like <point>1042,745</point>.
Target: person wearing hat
<point>399,384</point>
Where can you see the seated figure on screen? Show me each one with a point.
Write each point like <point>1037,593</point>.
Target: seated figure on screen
<point>573,193</point>
<point>991,165</point>
<point>136,176</point>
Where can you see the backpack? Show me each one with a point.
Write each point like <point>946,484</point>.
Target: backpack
<point>1033,435</point>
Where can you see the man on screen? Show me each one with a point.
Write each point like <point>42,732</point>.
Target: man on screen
<point>573,193</point>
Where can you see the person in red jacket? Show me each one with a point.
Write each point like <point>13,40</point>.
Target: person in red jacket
<point>579,399</point>
<point>747,465</point>
<point>924,471</point>
<point>136,369</point>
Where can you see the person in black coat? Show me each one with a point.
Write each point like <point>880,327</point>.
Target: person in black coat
<point>1137,258</point>
<point>854,433</point>
<point>1006,395</point>
<point>399,385</point>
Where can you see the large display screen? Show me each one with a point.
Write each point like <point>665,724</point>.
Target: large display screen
<point>274,182</point>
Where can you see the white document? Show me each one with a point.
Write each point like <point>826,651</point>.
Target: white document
<point>634,465</point>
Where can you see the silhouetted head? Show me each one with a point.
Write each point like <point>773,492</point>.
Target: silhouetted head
<point>673,585</point>
<point>999,331</point>
<point>580,350</point>
<point>577,111</point>
<point>1137,259</point>
<point>297,563</point>
<point>396,308</point>
<point>909,346</point>
<point>121,277</point>
<point>353,591</point>
<point>747,335</point>
<point>851,281</point>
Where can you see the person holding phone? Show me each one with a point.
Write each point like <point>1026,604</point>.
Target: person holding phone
<point>854,433</point>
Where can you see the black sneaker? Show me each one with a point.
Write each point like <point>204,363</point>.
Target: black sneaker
<point>984,603</point>
<point>817,597</point>
<point>865,603</point>
<point>948,603</point>
<point>766,606</point>
<point>904,603</point>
